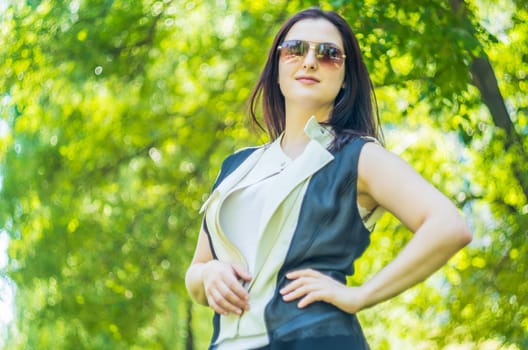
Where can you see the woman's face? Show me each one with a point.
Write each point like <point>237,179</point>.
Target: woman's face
<point>304,78</point>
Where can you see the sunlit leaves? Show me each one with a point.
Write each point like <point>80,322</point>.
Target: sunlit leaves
<point>117,115</point>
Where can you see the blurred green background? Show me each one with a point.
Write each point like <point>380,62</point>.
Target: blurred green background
<point>115,117</point>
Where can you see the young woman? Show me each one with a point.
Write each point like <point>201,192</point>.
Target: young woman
<point>286,220</point>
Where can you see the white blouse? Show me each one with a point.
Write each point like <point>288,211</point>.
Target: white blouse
<point>246,204</point>
<point>247,201</point>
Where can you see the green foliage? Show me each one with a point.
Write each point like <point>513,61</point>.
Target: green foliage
<point>119,115</point>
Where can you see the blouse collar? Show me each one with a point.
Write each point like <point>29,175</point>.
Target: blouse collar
<point>323,134</point>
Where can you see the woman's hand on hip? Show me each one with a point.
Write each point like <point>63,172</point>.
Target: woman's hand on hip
<point>223,288</point>
<point>310,285</point>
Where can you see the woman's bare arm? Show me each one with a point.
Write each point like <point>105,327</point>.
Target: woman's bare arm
<point>439,232</point>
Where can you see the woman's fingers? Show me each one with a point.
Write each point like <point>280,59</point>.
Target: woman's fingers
<point>311,297</point>
<point>235,294</point>
<point>309,286</point>
<point>296,288</point>
<point>299,278</point>
<point>309,290</point>
<point>215,301</point>
<point>242,273</point>
<point>225,294</point>
<point>238,293</point>
<point>224,304</point>
<point>222,299</point>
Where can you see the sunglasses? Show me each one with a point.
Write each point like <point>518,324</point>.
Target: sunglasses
<point>327,54</point>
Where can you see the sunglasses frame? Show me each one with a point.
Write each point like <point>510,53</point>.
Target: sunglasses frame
<point>305,46</point>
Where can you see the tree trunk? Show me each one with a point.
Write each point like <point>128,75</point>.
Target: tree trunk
<point>483,77</point>
<point>189,341</point>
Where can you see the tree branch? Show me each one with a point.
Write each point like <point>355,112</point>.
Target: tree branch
<point>484,78</point>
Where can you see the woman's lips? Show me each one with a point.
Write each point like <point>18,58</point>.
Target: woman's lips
<point>307,80</point>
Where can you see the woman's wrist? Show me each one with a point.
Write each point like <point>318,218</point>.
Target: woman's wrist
<point>195,282</point>
<point>363,297</point>
<point>356,299</point>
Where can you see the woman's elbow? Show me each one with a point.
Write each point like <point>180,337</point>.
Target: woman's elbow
<point>460,233</point>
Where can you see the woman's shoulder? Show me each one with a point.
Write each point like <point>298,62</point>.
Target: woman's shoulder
<point>378,166</point>
<point>375,157</point>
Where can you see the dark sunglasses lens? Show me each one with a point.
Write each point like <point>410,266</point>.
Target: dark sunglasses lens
<point>293,48</point>
<point>328,53</point>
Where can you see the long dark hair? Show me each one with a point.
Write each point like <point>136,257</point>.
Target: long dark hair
<point>355,110</point>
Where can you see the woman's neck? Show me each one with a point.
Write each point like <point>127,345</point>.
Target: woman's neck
<point>295,139</point>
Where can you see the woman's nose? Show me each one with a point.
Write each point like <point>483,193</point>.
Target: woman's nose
<point>310,61</point>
